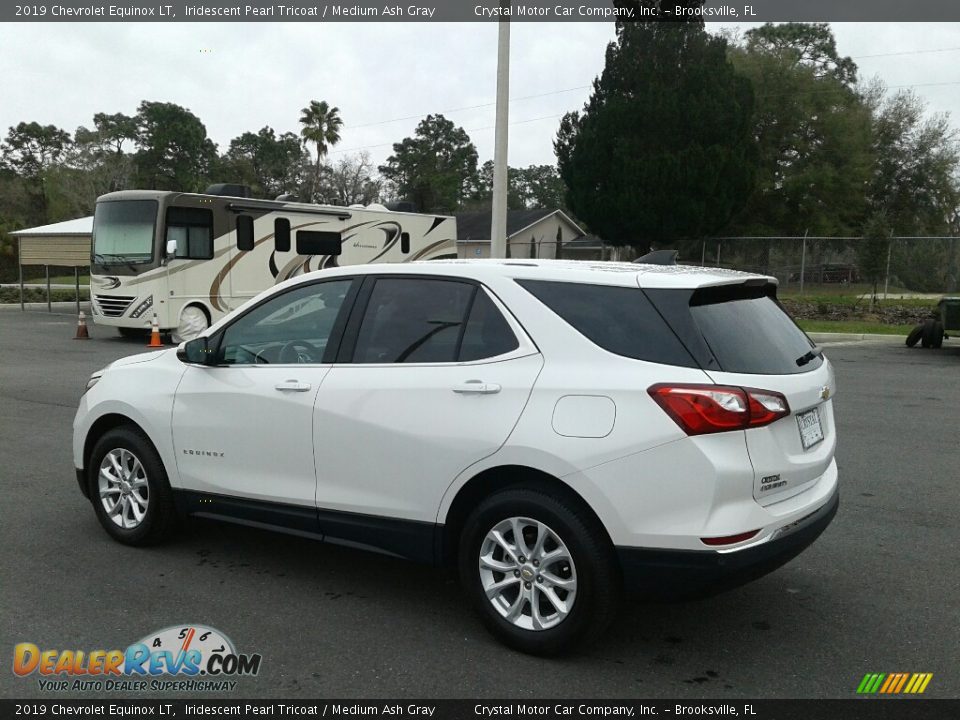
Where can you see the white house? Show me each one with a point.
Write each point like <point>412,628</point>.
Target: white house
<point>530,233</point>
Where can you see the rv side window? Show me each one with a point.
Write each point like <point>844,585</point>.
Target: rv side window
<point>405,242</point>
<point>312,242</point>
<point>192,228</point>
<point>281,235</point>
<point>245,233</point>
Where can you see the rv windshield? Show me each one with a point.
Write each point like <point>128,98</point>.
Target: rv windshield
<point>123,231</point>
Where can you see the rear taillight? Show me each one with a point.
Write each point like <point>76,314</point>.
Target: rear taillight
<point>702,409</point>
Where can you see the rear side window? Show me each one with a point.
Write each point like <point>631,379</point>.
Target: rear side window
<point>417,320</point>
<point>749,332</point>
<point>487,333</point>
<point>411,320</point>
<point>618,319</point>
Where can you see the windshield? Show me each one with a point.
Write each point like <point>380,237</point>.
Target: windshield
<point>123,231</point>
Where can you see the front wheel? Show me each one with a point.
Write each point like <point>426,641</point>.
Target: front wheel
<point>539,571</point>
<point>193,321</point>
<point>129,488</point>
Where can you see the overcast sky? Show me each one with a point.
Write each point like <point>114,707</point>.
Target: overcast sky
<point>242,76</point>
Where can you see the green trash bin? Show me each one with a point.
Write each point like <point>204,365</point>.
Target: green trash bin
<point>950,315</point>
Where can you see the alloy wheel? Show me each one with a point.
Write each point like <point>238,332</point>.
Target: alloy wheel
<point>124,491</point>
<point>527,573</point>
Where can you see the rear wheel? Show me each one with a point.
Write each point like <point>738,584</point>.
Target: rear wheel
<point>539,571</point>
<point>129,488</point>
<point>193,321</point>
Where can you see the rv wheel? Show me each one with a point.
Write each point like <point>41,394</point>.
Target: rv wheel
<point>193,321</point>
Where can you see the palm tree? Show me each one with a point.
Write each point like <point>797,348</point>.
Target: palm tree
<point>321,126</point>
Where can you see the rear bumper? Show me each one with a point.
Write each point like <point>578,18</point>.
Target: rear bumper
<point>679,573</point>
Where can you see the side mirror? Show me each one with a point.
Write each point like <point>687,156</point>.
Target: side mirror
<point>195,352</point>
<point>171,252</point>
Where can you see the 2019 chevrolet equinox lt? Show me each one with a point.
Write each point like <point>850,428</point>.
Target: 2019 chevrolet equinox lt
<point>557,429</point>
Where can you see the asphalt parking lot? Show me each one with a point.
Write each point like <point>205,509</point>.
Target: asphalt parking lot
<point>878,592</point>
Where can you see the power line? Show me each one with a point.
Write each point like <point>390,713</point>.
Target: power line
<point>469,107</point>
<point>552,117</point>
<point>839,89</point>
<point>469,130</point>
<point>905,52</point>
<point>586,87</point>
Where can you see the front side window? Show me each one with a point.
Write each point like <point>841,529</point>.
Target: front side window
<point>417,320</point>
<point>294,327</point>
<point>192,228</point>
<point>123,231</point>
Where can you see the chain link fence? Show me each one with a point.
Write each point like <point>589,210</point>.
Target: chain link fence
<point>912,267</point>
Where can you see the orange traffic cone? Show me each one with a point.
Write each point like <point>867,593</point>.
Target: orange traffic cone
<point>155,333</point>
<point>82,333</point>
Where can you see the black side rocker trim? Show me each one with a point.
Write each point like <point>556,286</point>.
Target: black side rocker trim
<point>408,539</point>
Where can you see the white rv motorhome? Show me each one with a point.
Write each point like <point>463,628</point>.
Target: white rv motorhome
<point>191,258</point>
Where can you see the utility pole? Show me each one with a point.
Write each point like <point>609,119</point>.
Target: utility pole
<point>498,225</point>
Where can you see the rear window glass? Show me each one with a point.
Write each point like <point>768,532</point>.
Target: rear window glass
<point>752,335</point>
<point>618,319</point>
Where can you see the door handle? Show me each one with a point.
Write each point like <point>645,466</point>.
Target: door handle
<point>292,386</point>
<point>477,387</point>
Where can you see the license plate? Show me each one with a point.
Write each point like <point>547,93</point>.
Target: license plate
<point>811,432</point>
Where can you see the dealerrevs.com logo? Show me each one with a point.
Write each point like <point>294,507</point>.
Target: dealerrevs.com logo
<point>185,658</point>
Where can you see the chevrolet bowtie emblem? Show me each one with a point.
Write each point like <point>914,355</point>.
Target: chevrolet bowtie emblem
<point>825,392</point>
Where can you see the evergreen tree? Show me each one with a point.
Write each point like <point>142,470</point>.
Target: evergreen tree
<point>662,152</point>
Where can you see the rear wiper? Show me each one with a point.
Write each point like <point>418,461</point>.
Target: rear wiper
<point>807,357</point>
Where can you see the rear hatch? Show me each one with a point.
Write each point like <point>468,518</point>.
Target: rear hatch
<point>741,336</point>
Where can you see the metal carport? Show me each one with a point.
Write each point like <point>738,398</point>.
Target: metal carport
<point>62,244</point>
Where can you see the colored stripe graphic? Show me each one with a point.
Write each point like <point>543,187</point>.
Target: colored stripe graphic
<point>870,683</point>
<point>894,683</point>
<point>900,683</point>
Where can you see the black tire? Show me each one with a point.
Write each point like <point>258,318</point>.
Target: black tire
<point>914,337</point>
<point>936,337</point>
<point>159,519</point>
<point>926,335</point>
<point>596,570</point>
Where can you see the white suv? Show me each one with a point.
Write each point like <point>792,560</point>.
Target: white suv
<point>557,429</point>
